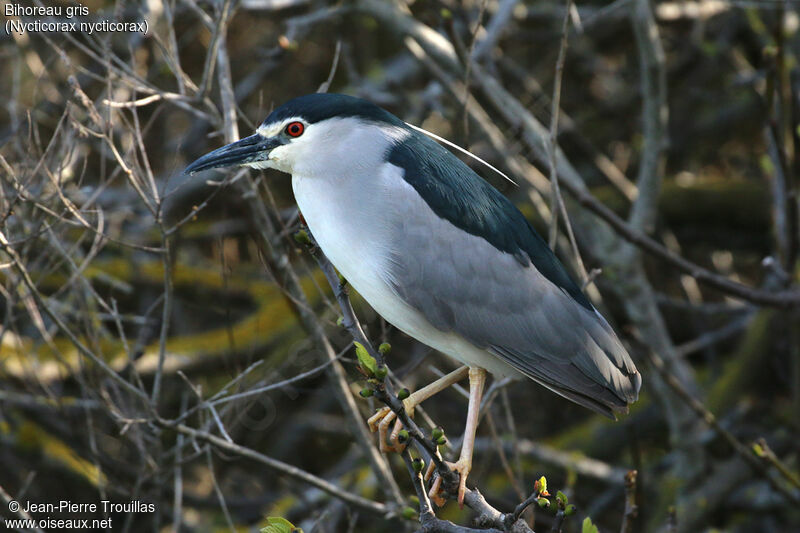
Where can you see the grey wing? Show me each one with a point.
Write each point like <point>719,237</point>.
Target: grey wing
<point>503,304</point>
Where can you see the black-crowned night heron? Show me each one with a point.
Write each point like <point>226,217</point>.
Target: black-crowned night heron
<point>439,253</point>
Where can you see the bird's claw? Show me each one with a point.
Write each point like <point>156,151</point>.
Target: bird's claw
<point>462,467</point>
<point>380,422</point>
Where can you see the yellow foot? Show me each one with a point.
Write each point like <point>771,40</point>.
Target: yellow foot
<point>380,422</point>
<point>462,467</point>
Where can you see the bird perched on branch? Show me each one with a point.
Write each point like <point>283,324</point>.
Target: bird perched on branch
<point>439,253</point>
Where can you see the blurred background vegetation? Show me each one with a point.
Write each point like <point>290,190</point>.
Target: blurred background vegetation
<point>134,297</point>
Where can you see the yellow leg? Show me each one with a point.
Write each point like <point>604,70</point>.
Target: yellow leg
<point>381,420</point>
<point>477,379</point>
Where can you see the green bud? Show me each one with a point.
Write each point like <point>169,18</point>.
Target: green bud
<point>301,237</point>
<point>340,321</point>
<point>441,441</point>
<point>385,348</point>
<point>402,436</point>
<point>414,500</point>
<point>570,510</point>
<point>381,371</point>
<point>544,503</point>
<point>403,394</point>
<point>758,449</point>
<point>367,362</point>
<point>561,499</point>
<point>410,513</point>
<point>366,392</point>
<point>374,382</point>
<point>419,464</point>
<point>437,433</point>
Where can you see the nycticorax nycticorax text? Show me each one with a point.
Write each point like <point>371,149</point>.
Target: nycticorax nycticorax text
<point>439,253</point>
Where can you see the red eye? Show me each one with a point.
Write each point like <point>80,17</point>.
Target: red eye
<point>294,129</point>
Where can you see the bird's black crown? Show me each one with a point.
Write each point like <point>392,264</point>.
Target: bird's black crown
<point>321,106</point>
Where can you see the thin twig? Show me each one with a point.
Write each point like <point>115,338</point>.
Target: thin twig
<point>323,88</point>
<point>503,15</point>
<point>708,417</point>
<point>218,491</point>
<point>558,521</point>
<point>631,509</point>
<point>18,510</point>
<point>555,195</point>
<point>82,348</point>
<point>218,30</point>
<point>166,316</point>
<point>280,466</point>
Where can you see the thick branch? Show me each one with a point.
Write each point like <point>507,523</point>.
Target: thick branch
<point>655,116</point>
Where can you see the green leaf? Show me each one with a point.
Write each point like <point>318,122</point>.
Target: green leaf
<point>277,524</point>
<point>367,362</point>
<point>569,510</point>
<point>541,485</point>
<point>588,527</point>
<point>562,499</point>
<point>385,348</point>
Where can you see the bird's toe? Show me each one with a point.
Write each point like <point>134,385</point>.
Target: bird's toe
<point>383,433</point>
<point>435,494</point>
<point>374,421</point>
<point>438,491</point>
<point>394,438</point>
<point>462,467</point>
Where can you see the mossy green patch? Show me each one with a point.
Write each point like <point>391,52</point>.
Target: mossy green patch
<point>271,318</point>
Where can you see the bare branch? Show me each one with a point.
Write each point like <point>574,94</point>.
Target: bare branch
<point>286,469</point>
<point>707,417</point>
<point>631,509</point>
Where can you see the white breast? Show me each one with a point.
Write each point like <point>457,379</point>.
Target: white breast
<point>344,215</point>
<point>352,219</point>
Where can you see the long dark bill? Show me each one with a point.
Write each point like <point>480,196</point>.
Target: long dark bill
<point>248,150</point>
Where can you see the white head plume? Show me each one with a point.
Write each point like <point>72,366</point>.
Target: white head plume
<point>457,147</point>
